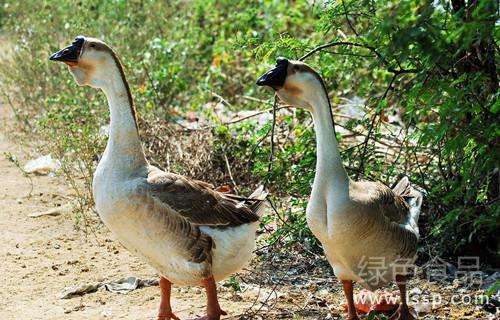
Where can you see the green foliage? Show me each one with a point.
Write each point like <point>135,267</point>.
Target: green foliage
<point>493,289</point>
<point>438,64</point>
<point>234,283</point>
<point>435,64</point>
<point>374,316</point>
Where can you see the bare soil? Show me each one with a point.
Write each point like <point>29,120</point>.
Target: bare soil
<point>41,256</point>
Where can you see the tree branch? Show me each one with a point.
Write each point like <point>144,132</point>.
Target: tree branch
<point>372,124</point>
<point>347,19</point>
<point>359,45</point>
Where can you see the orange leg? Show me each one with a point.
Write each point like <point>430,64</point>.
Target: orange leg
<point>165,312</point>
<point>213,309</point>
<point>403,312</point>
<point>348,291</point>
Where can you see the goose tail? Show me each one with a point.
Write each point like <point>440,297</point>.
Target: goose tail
<point>413,197</point>
<point>255,201</point>
<point>258,198</point>
<point>415,202</point>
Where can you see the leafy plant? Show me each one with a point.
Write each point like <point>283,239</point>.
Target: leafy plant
<point>432,63</point>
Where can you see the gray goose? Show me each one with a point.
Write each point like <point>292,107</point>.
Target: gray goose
<point>191,234</point>
<point>357,222</point>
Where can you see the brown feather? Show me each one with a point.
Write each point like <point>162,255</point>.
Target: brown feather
<point>198,203</point>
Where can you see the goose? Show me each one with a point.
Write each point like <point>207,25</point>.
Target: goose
<point>190,233</point>
<point>368,231</point>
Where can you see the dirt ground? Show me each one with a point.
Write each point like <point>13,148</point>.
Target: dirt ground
<point>42,256</point>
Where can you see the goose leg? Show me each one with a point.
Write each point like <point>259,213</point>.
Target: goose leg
<point>403,312</point>
<point>348,291</point>
<point>165,312</point>
<point>213,309</point>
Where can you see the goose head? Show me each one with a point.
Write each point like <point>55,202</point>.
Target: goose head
<point>295,83</point>
<point>89,60</point>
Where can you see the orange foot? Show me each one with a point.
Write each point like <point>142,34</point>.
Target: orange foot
<point>167,316</point>
<point>403,313</point>
<point>213,317</point>
<point>386,302</point>
<point>366,301</point>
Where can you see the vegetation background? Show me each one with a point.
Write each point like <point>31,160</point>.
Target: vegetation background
<point>431,64</point>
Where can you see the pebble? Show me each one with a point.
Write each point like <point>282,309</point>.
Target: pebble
<point>423,307</point>
<point>415,291</point>
<point>106,314</point>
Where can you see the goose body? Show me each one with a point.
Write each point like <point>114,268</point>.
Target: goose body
<point>191,234</point>
<point>369,238</point>
<point>141,224</point>
<point>368,231</point>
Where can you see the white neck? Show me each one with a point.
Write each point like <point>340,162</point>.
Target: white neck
<point>124,147</point>
<point>331,183</point>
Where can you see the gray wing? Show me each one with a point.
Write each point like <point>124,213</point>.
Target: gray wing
<point>394,204</point>
<point>198,203</point>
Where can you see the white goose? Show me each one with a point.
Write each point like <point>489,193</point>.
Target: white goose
<point>188,232</point>
<point>361,225</point>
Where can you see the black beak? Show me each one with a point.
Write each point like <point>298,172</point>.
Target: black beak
<point>275,77</point>
<point>71,53</point>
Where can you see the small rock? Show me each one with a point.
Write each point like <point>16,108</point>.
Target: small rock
<point>79,307</point>
<point>52,212</point>
<point>106,314</point>
<point>423,307</point>
<point>19,201</point>
<point>324,292</point>
<point>56,246</point>
<point>42,165</point>
<point>415,291</point>
<point>63,272</point>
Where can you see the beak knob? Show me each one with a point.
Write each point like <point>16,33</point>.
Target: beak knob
<point>275,77</point>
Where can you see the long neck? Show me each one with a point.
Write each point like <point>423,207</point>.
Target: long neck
<point>124,147</point>
<point>331,179</point>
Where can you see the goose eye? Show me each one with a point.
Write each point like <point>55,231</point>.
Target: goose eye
<point>296,68</point>
<point>92,45</point>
